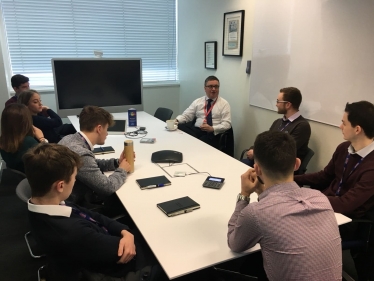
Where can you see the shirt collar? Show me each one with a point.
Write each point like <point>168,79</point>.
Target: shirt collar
<point>206,98</point>
<point>363,152</point>
<point>293,117</point>
<point>280,187</point>
<point>51,210</point>
<point>86,138</point>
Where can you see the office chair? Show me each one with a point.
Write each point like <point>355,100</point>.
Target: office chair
<point>304,163</point>
<point>227,275</point>
<point>16,175</point>
<point>23,192</point>
<point>362,247</point>
<point>226,142</point>
<point>163,113</point>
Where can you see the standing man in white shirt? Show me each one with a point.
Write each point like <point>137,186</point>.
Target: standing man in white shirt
<point>208,116</point>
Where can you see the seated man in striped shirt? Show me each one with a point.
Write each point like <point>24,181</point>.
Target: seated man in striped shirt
<point>296,227</point>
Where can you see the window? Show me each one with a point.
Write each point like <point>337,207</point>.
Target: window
<point>37,31</point>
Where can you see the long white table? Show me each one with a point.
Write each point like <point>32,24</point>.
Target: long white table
<point>190,242</point>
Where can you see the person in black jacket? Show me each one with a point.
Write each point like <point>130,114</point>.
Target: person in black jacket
<point>45,118</point>
<point>74,238</point>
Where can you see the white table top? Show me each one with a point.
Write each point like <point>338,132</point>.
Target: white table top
<point>193,241</point>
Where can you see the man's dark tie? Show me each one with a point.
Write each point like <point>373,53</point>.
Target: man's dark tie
<point>209,120</point>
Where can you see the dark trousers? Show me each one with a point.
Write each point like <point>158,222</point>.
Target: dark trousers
<point>208,138</point>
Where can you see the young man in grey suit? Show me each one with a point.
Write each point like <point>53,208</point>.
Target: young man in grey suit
<point>92,185</point>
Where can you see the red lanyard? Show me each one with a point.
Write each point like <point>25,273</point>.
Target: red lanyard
<point>210,109</point>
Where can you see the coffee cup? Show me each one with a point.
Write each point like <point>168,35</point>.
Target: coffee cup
<point>170,124</point>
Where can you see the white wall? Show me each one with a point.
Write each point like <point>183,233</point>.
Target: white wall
<point>201,21</point>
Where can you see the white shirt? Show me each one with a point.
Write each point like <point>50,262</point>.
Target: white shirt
<point>221,114</point>
<point>293,117</point>
<point>363,151</point>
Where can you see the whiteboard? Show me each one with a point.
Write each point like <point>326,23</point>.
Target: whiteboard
<point>325,48</point>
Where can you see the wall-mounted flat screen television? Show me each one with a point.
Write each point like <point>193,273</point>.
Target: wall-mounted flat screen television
<point>114,84</point>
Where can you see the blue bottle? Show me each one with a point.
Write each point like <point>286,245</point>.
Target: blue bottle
<point>132,117</point>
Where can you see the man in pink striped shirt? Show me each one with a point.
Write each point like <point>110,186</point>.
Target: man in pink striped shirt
<point>296,227</point>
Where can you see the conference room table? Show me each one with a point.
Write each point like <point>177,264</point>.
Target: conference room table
<point>192,241</point>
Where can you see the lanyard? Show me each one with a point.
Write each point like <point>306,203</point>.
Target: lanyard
<point>206,113</point>
<point>87,217</point>
<point>284,126</point>
<point>337,193</point>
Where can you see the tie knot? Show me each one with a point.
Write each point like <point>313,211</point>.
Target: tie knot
<point>210,100</point>
<point>286,121</point>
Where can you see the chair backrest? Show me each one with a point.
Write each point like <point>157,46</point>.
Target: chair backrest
<point>302,169</point>
<point>23,190</point>
<point>163,113</point>
<point>226,142</point>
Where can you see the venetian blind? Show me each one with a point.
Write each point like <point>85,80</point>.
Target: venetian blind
<point>37,31</point>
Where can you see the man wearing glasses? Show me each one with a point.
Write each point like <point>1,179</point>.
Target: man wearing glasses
<point>288,103</point>
<point>208,116</point>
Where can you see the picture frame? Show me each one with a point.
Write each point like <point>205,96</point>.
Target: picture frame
<point>210,51</point>
<point>233,33</point>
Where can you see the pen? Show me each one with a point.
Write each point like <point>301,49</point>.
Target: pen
<point>260,180</point>
<point>102,149</point>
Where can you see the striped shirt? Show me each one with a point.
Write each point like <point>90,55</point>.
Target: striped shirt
<point>297,232</point>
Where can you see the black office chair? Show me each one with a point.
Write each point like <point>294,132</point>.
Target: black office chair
<point>362,247</point>
<point>23,191</point>
<point>304,163</point>
<point>163,113</point>
<point>226,142</point>
<point>227,275</point>
<point>243,155</point>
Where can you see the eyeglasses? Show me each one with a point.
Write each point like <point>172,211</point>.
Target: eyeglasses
<point>212,86</point>
<point>282,101</point>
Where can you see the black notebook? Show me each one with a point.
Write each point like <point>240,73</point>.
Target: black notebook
<point>153,182</point>
<point>103,150</point>
<point>178,206</point>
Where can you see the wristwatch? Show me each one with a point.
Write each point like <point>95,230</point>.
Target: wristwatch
<point>242,197</point>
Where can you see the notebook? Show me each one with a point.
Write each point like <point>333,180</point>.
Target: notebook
<point>119,128</point>
<point>103,150</point>
<point>178,206</point>
<point>153,182</point>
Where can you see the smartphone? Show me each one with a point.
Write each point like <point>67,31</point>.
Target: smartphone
<point>147,140</point>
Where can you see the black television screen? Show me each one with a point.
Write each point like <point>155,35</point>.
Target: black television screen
<point>114,84</point>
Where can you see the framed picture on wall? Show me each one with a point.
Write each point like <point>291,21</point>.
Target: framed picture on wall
<point>211,54</point>
<point>233,32</point>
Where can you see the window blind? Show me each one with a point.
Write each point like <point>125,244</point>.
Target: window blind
<point>37,31</point>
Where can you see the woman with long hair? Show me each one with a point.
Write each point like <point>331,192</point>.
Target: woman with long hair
<point>17,135</point>
<point>45,118</point>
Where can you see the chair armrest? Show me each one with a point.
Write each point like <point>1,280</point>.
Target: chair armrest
<point>243,153</point>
